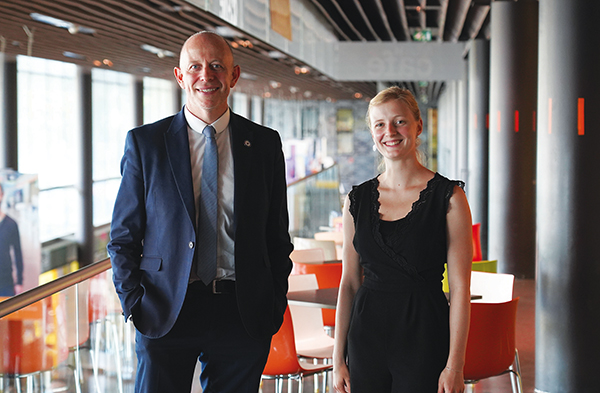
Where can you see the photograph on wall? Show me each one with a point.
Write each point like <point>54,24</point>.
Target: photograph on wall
<point>20,248</point>
<point>344,120</point>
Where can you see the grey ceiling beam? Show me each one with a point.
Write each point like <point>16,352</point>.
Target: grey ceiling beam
<point>455,18</point>
<point>384,17</point>
<point>335,26</point>
<point>366,19</point>
<point>403,19</point>
<point>345,17</point>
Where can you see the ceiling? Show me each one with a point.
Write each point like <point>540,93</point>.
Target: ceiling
<point>110,34</point>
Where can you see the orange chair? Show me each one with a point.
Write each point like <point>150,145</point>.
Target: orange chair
<point>328,246</point>
<point>491,348</point>
<point>477,254</point>
<point>308,255</point>
<point>328,276</point>
<point>337,237</point>
<point>33,341</point>
<point>283,362</point>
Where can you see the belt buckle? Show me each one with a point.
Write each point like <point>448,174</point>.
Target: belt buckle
<point>214,288</point>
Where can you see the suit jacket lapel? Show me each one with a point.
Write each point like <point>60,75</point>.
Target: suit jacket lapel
<point>178,152</point>
<point>242,150</point>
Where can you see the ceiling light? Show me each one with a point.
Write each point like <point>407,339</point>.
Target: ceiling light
<point>72,55</point>
<point>274,84</point>
<point>357,95</point>
<point>63,24</point>
<point>301,70</point>
<point>275,54</point>
<point>245,43</point>
<point>245,75</point>
<point>225,31</point>
<point>162,53</point>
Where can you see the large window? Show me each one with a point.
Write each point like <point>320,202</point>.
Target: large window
<point>113,114</point>
<point>48,139</point>
<point>159,99</point>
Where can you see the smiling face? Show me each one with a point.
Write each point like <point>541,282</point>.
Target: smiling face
<point>206,72</point>
<point>394,129</point>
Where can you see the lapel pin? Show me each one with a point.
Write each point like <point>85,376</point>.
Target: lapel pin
<point>247,143</point>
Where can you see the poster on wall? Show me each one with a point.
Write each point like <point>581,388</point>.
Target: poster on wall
<point>20,248</point>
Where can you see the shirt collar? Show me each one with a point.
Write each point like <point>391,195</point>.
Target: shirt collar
<point>198,125</point>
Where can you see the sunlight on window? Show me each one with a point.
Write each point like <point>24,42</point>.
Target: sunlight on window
<point>159,99</point>
<point>48,133</point>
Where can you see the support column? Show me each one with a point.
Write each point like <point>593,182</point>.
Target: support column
<point>568,212</point>
<point>512,139</point>
<point>85,231</point>
<point>8,112</point>
<point>447,133</point>
<point>462,141</point>
<point>138,96</point>
<point>479,105</point>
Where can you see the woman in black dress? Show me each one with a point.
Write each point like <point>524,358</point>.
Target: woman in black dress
<point>395,331</point>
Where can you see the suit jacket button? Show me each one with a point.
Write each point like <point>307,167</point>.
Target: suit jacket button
<point>191,244</point>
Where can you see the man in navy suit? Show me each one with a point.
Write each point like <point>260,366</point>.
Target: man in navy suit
<point>227,323</point>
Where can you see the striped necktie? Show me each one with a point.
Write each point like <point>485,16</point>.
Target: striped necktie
<point>207,221</point>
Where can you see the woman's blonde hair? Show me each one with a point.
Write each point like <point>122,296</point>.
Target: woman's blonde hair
<point>404,95</point>
<point>394,93</point>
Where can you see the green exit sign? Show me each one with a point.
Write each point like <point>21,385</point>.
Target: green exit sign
<point>422,35</point>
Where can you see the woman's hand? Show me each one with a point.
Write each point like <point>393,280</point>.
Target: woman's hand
<point>451,381</point>
<point>341,379</point>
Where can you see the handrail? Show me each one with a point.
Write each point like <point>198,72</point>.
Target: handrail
<point>38,293</point>
<point>292,183</point>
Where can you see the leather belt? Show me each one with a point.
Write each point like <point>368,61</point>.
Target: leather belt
<point>221,287</point>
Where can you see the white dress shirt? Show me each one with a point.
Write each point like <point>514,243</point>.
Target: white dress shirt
<point>225,236</point>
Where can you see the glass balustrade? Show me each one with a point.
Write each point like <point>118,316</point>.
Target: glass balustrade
<point>69,334</point>
<point>313,201</point>
<point>73,340</point>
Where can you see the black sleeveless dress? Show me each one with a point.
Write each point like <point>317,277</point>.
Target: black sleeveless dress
<point>398,339</point>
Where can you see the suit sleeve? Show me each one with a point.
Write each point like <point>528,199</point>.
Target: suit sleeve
<point>128,227</point>
<point>278,238</point>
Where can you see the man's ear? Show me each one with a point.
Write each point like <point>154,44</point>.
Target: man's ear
<point>178,76</point>
<point>235,76</point>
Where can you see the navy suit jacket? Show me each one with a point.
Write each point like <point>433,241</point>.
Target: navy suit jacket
<point>153,230</point>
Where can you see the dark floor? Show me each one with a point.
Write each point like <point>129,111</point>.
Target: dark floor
<point>525,290</point>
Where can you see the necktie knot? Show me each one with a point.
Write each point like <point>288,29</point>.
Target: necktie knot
<point>209,131</point>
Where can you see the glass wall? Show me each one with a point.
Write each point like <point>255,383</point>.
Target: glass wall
<point>112,116</point>
<point>159,99</point>
<point>48,121</point>
<point>49,135</point>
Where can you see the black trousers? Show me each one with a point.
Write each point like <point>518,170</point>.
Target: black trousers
<point>209,328</point>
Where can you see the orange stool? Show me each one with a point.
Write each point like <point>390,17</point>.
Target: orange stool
<point>328,276</point>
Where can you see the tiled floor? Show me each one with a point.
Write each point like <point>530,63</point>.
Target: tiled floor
<point>525,290</point>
